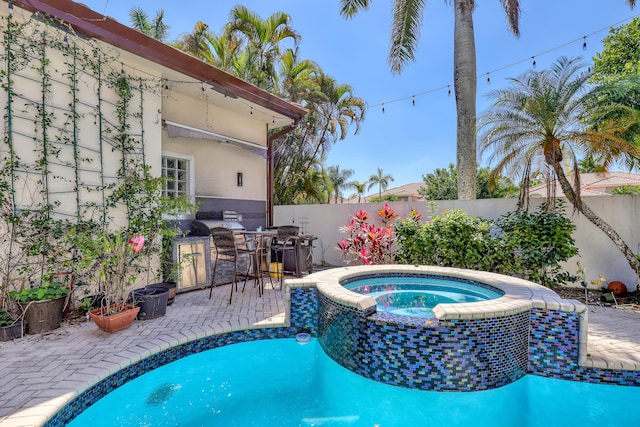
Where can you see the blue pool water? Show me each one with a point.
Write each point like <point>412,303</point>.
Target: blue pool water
<point>418,295</point>
<point>278,383</point>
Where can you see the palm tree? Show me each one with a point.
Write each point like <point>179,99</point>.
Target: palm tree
<point>381,180</point>
<point>590,164</point>
<point>197,43</point>
<point>155,28</point>
<point>405,32</point>
<point>339,180</point>
<point>537,123</point>
<point>360,188</point>
<point>262,40</point>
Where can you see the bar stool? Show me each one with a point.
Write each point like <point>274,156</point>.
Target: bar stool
<point>285,241</point>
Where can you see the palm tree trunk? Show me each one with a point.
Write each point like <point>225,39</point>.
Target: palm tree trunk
<point>595,219</point>
<point>464,82</point>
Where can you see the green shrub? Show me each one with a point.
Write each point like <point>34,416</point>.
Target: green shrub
<point>520,244</point>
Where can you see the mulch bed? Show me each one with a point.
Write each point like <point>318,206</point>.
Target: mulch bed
<point>595,296</point>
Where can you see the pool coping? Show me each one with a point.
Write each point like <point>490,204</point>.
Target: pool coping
<point>519,295</point>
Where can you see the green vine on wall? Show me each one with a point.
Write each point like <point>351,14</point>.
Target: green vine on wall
<point>68,143</point>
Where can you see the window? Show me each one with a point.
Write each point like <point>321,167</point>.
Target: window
<point>178,169</point>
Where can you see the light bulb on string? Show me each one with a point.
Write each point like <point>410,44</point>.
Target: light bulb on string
<point>534,62</point>
<point>10,7</point>
<point>122,73</point>
<point>273,120</point>
<point>251,112</point>
<point>449,91</point>
<point>413,100</point>
<point>584,43</point>
<point>488,79</point>
<point>382,108</point>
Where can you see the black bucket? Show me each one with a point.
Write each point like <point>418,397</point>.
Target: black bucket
<point>170,286</point>
<point>152,302</point>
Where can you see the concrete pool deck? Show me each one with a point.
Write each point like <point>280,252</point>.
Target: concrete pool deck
<point>40,373</point>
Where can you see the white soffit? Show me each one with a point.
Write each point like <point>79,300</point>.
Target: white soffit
<point>176,130</point>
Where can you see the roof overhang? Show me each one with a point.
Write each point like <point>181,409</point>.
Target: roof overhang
<point>90,23</point>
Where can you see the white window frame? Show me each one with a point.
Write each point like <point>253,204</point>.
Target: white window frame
<point>191,177</point>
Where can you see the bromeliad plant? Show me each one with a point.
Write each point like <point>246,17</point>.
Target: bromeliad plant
<point>112,260</point>
<point>367,243</point>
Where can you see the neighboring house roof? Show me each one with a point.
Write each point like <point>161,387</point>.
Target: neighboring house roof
<point>405,193</point>
<point>594,184</point>
<point>91,23</point>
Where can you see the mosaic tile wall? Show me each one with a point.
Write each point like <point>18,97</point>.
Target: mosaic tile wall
<point>304,310</point>
<point>462,355</point>
<point>553,351</point>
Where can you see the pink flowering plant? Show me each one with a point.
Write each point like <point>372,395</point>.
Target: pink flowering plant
<point>111,260</point>
<point>367,243</point>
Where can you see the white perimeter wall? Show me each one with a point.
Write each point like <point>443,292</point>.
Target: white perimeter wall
<point>597,253</point>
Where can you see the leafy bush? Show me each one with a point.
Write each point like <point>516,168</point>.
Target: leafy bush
<point>367,243</point>
<point>520,244</point>
<point>539,242</point>
<point>452,239</point>
<point>48,290</point>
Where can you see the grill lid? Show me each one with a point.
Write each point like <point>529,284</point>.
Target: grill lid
<point>202,227</point>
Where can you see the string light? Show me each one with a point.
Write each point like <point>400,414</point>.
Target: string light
<point>413,101</point>
<point>530,58</point>
<point>10,6</point>
<point>122,73</point>
<point>383,108</point>
<point>534,62</point>
<point>251,112</point>
<point>273,120</point>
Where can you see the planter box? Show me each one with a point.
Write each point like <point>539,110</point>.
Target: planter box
<point>14,331</point>
<point>43,316</point>
<point>114,322</point>
<point>152,302</point>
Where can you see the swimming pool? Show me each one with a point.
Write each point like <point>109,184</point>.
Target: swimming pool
<point>418,295</point>
<point>282,383</point>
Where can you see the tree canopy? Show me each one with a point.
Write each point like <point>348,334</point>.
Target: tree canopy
<point>441,184</point>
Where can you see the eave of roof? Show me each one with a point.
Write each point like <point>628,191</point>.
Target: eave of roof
<point>108,30</point>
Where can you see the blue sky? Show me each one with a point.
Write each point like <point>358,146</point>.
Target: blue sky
<point>409,141</point>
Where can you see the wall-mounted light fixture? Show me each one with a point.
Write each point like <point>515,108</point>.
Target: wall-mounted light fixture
<point>239,177</point>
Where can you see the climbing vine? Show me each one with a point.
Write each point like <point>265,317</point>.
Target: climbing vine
<point>73,153</point>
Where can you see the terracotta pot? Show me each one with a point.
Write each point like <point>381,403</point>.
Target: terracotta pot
<point>114,322</point>
<point>617,288</point>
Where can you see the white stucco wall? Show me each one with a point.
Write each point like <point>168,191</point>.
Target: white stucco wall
<point>216,164</point>
<point>596,251</point>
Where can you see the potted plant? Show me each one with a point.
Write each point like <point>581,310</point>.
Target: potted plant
<point>112,259</point>
<point>42,306</point>
<point>10,328</point>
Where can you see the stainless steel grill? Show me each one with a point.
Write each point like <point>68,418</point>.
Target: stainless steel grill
<point>202,227</point>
